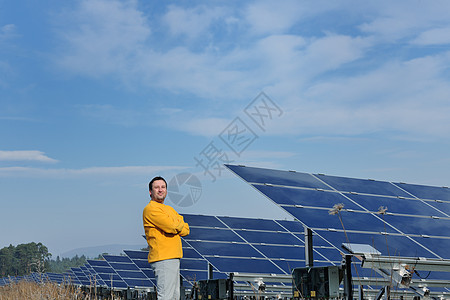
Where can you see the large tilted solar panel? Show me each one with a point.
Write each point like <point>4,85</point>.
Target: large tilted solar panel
<point>91,275</point>
<point>54,277</point>
<point>131,270</point>
<point>81,276</point>
<point>139,258</point>
<point>397,219</point>
<point>94,277</point>
<point>192,266</point>
<point>70,277</point>
<point>128,271</point>
<point>107,274</point>
<point>249,245</point>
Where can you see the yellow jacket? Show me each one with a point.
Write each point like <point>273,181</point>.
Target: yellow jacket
<point>163,228</point>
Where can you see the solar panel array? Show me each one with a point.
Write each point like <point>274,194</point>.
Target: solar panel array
<point>115,272</point>
<point>397,219</point>
<point>416,222</point>
<point>250,245</point>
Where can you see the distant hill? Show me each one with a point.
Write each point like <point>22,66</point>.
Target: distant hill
<point>93,252</point>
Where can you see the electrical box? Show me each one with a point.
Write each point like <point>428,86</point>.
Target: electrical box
<point>317,282</point>
<point>213,289</point>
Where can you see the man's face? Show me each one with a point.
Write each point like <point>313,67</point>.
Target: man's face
<point>159,190</point>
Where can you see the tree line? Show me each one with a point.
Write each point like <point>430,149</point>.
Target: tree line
<point>25,259</point>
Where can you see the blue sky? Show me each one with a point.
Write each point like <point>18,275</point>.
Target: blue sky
<point>97,97</point>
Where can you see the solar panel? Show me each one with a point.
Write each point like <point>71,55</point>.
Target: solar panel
<point>91,275</point>
<point>81,277</point>
<point>54,277</point>
<point>129,271</point>
<point>251,245</point>
<point>107,274</point>
<point>140,259</point>
<point>71,278</point>
<point>397,219</point>
<point>192,266</point>
<point>96,277</point>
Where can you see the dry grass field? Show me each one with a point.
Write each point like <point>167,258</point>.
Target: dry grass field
<point>33,291</point>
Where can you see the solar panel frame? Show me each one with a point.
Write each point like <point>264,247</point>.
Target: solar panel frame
<point>430,213</point>
<point>129,272</point>
<point>107,274</point>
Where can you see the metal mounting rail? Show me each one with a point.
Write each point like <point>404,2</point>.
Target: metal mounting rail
<point>378,281</point>
<point>409,263</point>
<point>255,277</point>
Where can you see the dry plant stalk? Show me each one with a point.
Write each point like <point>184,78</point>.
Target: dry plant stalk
<point>336,209</point>
<point>35,291</point>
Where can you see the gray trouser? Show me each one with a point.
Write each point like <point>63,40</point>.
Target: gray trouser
<point>167,273</point>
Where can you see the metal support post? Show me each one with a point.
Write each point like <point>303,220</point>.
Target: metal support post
<point>348,285</point>
<point>387,293</point>
<point>231,287</point>
<point>360,293</point>
<point>309,259</point>
<point>210,271</point>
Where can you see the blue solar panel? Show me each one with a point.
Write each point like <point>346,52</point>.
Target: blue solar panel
<point>92,276</point>
<point>245,265</point>
<point>71,278</point>
<point>190,264</point>
<point>279,237</point>
<point>287,252</point>
<point>82,278</point>
<point>190,253</point>
<point>426,192</point>
<point>221,249</point>
<point>320,218</point>
<point>213,234</point>
<point>193,264</point>
<point>136,254</point>
<point>362,186</point>
<point>128,271</point>
<point>249,224</point>
<point>262,176</point>
<point>248,244</point>
<point>107,274</point>
<point>3,282</point>
<point>397,219</point>
<point>310,198</point>
<point>140,259</point>
<point>363,201</point>
<point>55,277</point>
<point>201,220</point>
<point>95,276</point>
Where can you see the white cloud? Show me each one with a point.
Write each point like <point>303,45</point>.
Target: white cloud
<point>271,17</point>
<point>115,115</point>
<point>82,173</point>
<point>102,36</point>
<point>436,36</point>
<point>255,155</point>
<point>30,155</point>
<point>206,127</point>
<point>327,83</point>
<point>192,22</point>
<point>399,20</point>
<point>7,32</point>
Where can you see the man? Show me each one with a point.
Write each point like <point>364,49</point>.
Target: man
<point>163,228</point>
